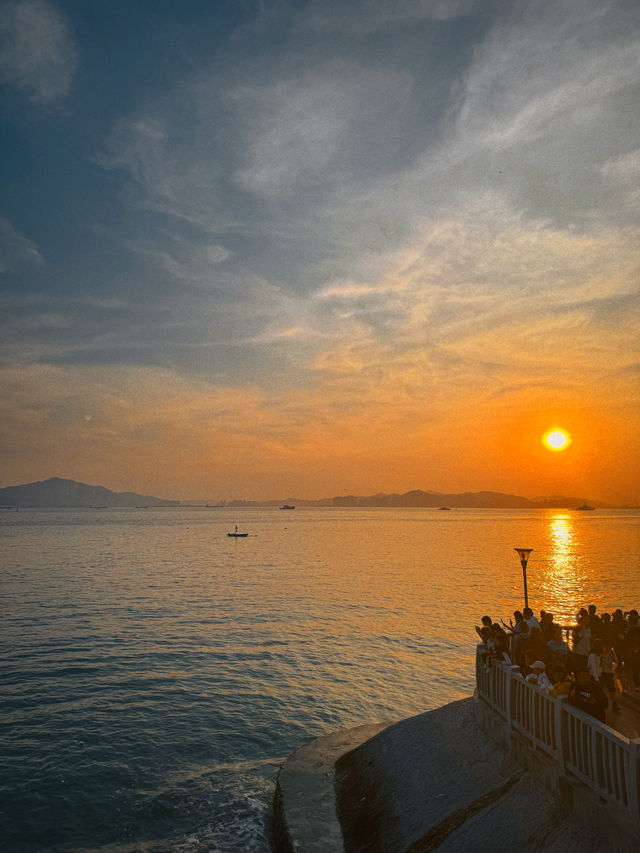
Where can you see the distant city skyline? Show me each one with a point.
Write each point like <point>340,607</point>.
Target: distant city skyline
<point>262,249</point>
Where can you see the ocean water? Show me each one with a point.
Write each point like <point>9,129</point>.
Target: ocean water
<point>155,673</point>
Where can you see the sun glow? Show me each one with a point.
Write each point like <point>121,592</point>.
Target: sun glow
<point>556,439</point>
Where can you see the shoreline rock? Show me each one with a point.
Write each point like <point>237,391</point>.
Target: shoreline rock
<point>435,781</point>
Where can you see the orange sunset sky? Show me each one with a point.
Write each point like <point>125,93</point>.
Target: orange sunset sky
<point>308,249</point>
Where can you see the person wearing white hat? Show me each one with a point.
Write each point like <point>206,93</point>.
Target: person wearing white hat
<point>538,675</point>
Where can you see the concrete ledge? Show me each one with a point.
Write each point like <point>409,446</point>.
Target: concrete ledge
<point>417,780</point>
<point>304,807</point>
<point>437,781</point>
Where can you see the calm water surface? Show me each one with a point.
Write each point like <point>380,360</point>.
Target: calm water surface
<point>155,672</point>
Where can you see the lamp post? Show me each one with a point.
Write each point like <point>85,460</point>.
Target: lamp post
<point>523,553</point>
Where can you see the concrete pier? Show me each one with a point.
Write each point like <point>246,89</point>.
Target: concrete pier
<point>434,782</point>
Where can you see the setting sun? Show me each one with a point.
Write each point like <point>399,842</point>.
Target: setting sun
<point>556,439</point>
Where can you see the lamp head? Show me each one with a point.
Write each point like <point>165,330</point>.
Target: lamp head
<point>523,553</point>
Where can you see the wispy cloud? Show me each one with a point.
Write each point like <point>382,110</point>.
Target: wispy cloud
<point>363,17</point>
<point>37,50</point>
<point>357,226</point>
<point>372,257</point>
<point>15,248</point>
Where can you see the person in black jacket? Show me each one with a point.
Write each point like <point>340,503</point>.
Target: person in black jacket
<point>587,695</point>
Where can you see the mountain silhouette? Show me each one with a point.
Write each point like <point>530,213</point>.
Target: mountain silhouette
<point>56,492</point>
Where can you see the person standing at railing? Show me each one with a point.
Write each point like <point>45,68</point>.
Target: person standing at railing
<point>512,629</point>
<point>547,625</point>
<point>486,648</point>
<point>609,661</point>
<point>587,695</point>
<point>606,628</point>
<point>619,628</point>
<point>581,643</point>
<point>520,643</point>
<point>559,651</point>
<point>501,642</point>
<point>537,644</point>
<point>632,648</point>
<point>594,663</point>
<point>595,622</point>
<point>530,619</point>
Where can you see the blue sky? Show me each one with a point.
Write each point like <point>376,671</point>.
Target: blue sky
<point>320,247</point>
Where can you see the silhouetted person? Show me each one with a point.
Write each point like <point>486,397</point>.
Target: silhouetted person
<point>520,643</point>
<point>609,662</point>
<point>594,622</point>
<point>581,642</point>
<point>530,619</point>
<point>606,628</point>
<point>632,649</point>
<point>587,695</point>
<point>537,644</point>
<point>547,625</point>
<point>559,651</point>
<point>594,664</point>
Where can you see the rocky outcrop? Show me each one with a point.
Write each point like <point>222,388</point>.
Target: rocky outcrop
<point>432,782</point>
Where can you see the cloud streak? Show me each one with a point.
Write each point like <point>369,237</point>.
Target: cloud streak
<point>37,50</point>
<point>15,248</point>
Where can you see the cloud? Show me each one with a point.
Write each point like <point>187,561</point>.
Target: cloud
<point>370,16</point>
<point>624,174</point>
<point>15,248</point>
<point>37,50</point>
<point>357,253</point>
<point>547,99</point>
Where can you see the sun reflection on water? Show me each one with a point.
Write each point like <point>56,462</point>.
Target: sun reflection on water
<point>561,530</point>
<point>562,581</point>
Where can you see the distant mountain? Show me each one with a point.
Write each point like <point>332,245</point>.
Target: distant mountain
<point>487,500</point>
<point>56,492</point>
<point>420,498</point>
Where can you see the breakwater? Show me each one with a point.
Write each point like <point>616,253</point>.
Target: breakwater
<point>450,779</point>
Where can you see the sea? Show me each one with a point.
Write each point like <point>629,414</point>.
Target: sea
<point>155,672</point>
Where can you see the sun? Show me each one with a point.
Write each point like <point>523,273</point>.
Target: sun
<point>556,439</point>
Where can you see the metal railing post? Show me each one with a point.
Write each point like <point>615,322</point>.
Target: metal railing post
<point>507,697</point>
<point>634,780</point>
<point>557,723</point>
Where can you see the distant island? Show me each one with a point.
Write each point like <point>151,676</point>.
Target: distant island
<point>419,498</point>
<point>57,492</point>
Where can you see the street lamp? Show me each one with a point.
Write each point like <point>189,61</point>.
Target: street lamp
<point>523,553</point>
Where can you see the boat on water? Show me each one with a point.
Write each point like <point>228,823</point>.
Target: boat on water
<point>584,507</point>
<point>442,508</point>
<point>287,506</point>
<point>236,534</point>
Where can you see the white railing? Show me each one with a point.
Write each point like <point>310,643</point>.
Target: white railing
<point>602,758</point>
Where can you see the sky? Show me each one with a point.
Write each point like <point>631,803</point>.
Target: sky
<point>260,249</point>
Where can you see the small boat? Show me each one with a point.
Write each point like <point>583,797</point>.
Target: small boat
<point>584,507</point>
<point>236,534</point>
<point>441,508</point>
<point>287,506</point>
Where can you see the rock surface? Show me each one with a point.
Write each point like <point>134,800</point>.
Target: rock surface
<point>430,782</point>
<point>421,777</point>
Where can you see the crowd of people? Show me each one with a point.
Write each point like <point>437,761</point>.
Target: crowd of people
<point>602,660</point>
